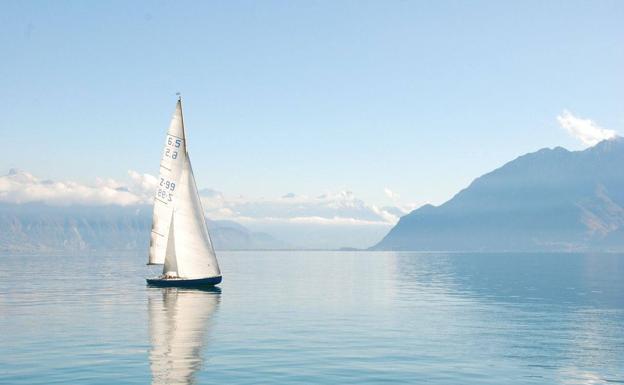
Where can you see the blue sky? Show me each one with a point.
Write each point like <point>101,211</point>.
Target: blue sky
<point>305,97</point>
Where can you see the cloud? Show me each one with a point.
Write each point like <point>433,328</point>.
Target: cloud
<point>143,184</point>
<point>340,208</point>
<point>328,208</point>
<point>208,192</point>
<point>330,219</point>
<point>391,194</point>
<point>586,130</point>
<point>22,187</point>
<point>312,220</point>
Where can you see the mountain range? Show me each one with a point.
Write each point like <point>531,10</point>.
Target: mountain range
<point>552,199</point>
<point>548,200</point>
<point>36,227</point>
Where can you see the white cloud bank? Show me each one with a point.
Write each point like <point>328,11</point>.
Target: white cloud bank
<point>341,208</point>
<point>22,187</point>
<point>586,130</point>
<point>328,220</point>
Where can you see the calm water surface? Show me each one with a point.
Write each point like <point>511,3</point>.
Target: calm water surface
<point>317,318</point>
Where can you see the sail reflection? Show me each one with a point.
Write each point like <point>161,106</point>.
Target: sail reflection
<point>178,324</point>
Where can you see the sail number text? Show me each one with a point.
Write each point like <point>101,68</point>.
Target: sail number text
<point>164,195</point>
<point>165,190</point>
<point>171,141</point>
<point>172,145</point>
<point>167,184</point>
<point>171,154</point>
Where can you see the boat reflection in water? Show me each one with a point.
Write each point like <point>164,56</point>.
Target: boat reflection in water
<point>179,320</point>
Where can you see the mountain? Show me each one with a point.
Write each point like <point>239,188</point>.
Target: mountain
<point>36,227</point>
<point>552,199</point>
<point>230,235</point>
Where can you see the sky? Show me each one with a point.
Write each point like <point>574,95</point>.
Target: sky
<point>397,103</point>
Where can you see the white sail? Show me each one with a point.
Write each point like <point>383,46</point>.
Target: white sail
<point>191,254</point>
<point>178,322</point>
<point>171,163</point>
<point>170,267</point>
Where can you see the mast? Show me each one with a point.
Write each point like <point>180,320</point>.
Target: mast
<point>182,117</point>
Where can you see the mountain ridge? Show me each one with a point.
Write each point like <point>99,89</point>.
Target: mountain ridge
<point>550,199</point>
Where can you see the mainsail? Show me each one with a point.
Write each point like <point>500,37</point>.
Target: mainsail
<point>171,163</point>
<point>180,236</point>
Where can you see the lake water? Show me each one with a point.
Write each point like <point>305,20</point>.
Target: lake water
<point>317,318</point>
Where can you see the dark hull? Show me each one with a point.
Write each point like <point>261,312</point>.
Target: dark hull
<point>201,282</point>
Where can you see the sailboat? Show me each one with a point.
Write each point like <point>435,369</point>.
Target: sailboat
<point>179,239</point>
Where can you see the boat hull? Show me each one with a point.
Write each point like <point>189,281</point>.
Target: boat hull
<point>177,282</point>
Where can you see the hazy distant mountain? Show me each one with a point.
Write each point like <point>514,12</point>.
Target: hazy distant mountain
<point>36,227</point>
<point>552,199</point>
<point>230,235</point>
